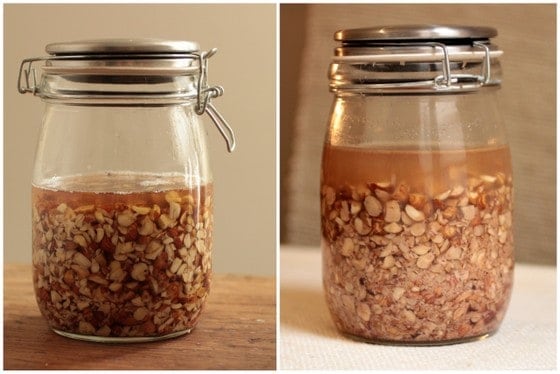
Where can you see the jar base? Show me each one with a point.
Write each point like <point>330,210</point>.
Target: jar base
<point>119,339</point>
<point>424,343</point>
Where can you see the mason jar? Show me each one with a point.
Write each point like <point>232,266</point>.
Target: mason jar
<point>416,186</point>
<point>122,194</point>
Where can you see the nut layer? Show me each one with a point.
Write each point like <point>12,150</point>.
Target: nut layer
<point>411,267</point>
<point>122,265</point>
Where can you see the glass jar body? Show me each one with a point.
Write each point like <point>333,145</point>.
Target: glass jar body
<point>122,203</point>
<point>416,213</point>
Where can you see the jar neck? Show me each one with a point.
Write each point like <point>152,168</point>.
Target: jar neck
<point>118,90</point>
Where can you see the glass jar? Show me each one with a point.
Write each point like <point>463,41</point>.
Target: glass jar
<point>416,186</point>
<point>122,194</point>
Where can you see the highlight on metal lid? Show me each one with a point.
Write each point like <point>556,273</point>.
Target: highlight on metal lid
<point>419,58</point>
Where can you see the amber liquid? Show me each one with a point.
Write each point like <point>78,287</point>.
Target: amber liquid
<point>133,263</point>
<point>126,189</point>
<point>429,172</point>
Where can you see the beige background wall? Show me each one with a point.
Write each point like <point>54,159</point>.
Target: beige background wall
<point>527,34</point>
<point>245,66</point>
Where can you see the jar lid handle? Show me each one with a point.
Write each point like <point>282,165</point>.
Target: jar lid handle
<point>204,96</point>
<point>223,127</point>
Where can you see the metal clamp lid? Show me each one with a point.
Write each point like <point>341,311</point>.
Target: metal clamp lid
<point>414,33</point>
<point>131,57</point>
<point>122,46</point>
<point>419,58</point>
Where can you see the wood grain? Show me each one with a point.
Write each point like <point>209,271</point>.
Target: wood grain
<point>236,331</point>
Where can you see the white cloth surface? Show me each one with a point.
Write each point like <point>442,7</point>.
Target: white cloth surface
<point>309,339</point>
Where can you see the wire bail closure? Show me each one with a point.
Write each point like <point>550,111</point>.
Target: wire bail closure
<point>354,73</point>
<point>205,94</point>
<point>447,79</point>
<point>28,83</point>
<point>30,71</point>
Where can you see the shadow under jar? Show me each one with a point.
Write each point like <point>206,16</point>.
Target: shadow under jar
<point>416,186</point>
<point>122,194</point>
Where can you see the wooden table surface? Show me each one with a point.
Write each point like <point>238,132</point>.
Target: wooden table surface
<point>237,330</point>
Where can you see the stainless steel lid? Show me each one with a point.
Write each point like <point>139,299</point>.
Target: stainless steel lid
<point>123,46</point>
<point>415,32</point>
<point>415,58</point>
<point>122,57</point>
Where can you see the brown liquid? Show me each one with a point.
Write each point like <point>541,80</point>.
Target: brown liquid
<point>130,263</point>
<point>425,171</point>
<point>126,189</point>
